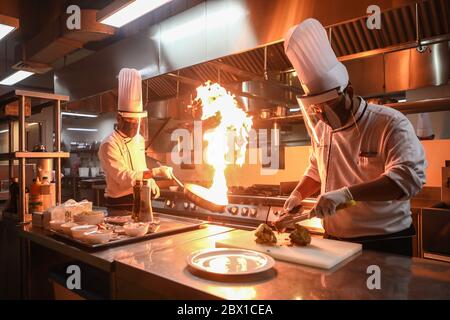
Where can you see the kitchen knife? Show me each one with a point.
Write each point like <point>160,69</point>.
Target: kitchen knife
<point>298,214</point>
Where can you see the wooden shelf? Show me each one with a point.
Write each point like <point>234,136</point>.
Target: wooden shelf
<point>33,155</point>
<point>15,94</point>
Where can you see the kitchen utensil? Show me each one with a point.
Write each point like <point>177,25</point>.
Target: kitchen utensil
<point>196,194</point>
<point>321,253</point>
<point>234,262</point>
<point>297,214</point>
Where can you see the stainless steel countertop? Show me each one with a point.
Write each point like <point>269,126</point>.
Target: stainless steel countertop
<point>401,277</point>
<point>159,265</point>
<point>104,258</point>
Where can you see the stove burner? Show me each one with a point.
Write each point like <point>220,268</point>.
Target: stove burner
<point>263,190</point>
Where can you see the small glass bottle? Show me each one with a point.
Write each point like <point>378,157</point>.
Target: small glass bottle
<point>146,212</point>
<point>136,199</point>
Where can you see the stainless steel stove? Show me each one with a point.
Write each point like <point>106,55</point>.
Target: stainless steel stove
<point>245,210</point>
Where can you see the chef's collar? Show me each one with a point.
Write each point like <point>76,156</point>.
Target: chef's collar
<point>122,136</point>
<point>356,116</point>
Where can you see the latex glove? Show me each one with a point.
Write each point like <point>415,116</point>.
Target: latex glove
<point>154,187</point>
<point>165,172</point>
<point>294,200</point>
<point>328,202</point>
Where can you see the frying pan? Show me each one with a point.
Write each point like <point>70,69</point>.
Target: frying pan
<point>192,193</point>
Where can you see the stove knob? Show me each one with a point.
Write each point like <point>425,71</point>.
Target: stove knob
<point>244,211</point>
<point>186,205</point>
<point>253,212</point>
<point>233,210</point>
<point>170,204</point>
<point>193,206</point>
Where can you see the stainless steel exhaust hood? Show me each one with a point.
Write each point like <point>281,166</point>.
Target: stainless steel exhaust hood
<point>207,31</point>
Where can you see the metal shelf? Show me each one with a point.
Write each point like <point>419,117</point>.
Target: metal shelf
<point>33,155</point>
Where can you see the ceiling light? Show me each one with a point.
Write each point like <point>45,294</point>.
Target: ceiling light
<point>82,129</point>
<point>118,15</point>
<point>401,100</point>
<point>4,131</point>
<point>16,77</point>
<point>7,25</point>
<point>74,114</point>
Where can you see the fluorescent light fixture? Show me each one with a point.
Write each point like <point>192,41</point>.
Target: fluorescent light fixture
<point>294,109</point>
<point>4,131</point>
<point>5,30</point>
<point>401,100</point>
<point>74,114</point>
<point>82,129</point>
<point>16,77</point>
<point>31,124</point>
<point>7,25</point>
<point>131,11</point>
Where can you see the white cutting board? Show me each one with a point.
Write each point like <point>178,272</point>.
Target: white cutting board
<point>321,253</point>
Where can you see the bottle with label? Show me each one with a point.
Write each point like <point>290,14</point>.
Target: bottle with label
<point>35,196</point>
<point>146,212</point>
<point>46,194</point>
<point>136,199</point>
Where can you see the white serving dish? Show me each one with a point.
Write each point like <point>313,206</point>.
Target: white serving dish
<point>94,217</point>
<point>98,237</point>
<point>78,232</point>
<point>56,224</point>
<point>67,226</point>
<point>227,261</point>
<point>136,229</point>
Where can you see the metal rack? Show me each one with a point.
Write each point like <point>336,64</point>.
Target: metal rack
<point>45,100</point>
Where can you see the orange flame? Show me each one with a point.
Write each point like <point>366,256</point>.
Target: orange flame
<point>227,143</point>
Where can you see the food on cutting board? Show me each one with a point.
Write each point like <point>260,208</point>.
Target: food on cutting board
<point>265,235</point>
<point>300,236</point>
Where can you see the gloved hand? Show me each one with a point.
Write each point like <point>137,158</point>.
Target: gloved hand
<point>165,172</point>
<point>328,202</point>
<point>154,187</point>
<point>294,200</point>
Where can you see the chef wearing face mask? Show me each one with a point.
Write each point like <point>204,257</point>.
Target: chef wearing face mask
<point>122,154</point>
<point>362,152</point>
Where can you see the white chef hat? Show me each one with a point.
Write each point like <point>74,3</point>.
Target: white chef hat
<point>130,94</point>
<point>310,52</point>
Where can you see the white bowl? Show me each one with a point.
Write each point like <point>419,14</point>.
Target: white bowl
<point>56,224</point>
<point>93,217</point>
<point>98,237</point>
<point>136,229</point>
<point>79,231</point>
<point>67,226</point>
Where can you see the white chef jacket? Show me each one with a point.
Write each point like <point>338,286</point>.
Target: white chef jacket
<point>382,142</point>
<point>123,161</point>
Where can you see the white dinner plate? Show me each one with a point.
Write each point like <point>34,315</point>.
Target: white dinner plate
<point>227,261</point>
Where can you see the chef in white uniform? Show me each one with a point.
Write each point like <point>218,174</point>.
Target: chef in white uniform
<point>362,152</point>
<point>122,154</point>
